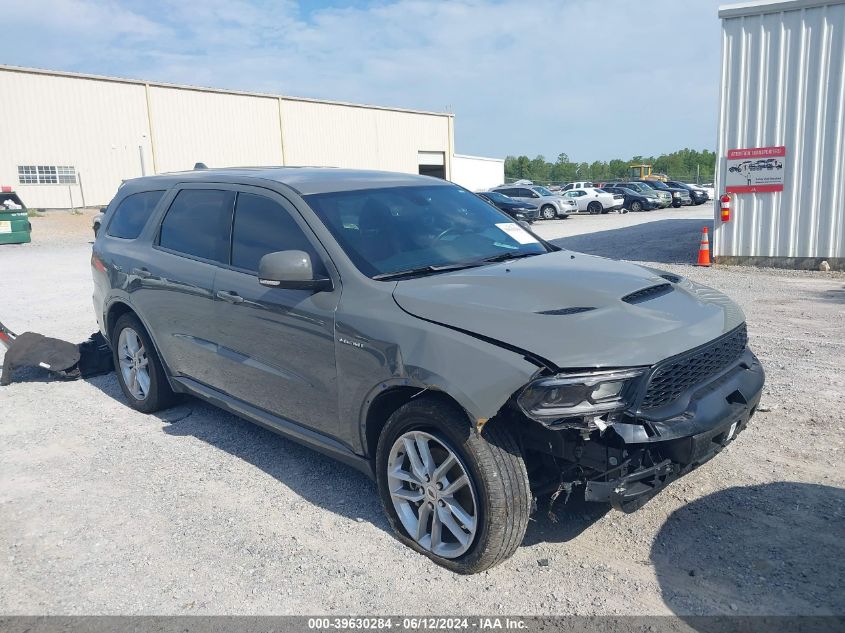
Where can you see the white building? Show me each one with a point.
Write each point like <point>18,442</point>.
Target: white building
<point>66,137</point>
<point>781,136</point>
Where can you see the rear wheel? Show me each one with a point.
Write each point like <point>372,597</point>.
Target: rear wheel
<point>457,496</point>
<point>548,212</point>
<point>594,208</point>
<point>139,370</point>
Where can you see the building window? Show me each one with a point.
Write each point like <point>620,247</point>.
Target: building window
<point>27,175</point>
<point>46,175</point>
<point>67,175</point>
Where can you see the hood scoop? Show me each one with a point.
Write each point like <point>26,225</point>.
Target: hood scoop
<point>647,294</point>
<point>564,311</point>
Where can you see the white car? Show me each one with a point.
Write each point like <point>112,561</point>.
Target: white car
<point>583,184</point>
<point>594,201</point>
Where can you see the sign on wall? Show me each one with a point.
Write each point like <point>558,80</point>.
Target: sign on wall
<point>755,170</point>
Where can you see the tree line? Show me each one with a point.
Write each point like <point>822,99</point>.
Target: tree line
<point>687,165</point>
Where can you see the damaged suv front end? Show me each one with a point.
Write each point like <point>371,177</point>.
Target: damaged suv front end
<point>625,434</point>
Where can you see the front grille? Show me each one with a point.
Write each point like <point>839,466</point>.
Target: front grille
<point>675,376</point>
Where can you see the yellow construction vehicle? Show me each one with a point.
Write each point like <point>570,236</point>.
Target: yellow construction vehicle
<point>643,172</point>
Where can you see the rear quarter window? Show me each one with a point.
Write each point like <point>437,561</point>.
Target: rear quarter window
<point>132,213</point>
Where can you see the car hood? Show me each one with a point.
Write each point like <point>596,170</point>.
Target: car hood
<point>523,304</point>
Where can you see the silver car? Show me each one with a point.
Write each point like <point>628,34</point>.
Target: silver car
<point>551,205</point>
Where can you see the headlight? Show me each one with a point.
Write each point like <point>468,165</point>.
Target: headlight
<point>582,394</point>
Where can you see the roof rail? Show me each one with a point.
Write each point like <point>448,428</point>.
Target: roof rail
<point>200,166</point>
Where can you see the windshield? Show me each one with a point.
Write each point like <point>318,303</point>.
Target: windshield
<point>543,191</point>
<point>399,229</point>
<point>658,185</point>
<point>498,197</point>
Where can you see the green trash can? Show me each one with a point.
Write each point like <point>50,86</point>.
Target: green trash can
<point>14,221</point>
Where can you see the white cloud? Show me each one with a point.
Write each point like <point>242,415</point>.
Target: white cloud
<point>594,79</point>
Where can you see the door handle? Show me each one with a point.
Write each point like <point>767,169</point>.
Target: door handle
<point>228,295</point>
<point>143,273</point>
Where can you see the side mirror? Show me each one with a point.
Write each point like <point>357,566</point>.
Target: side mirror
<point>290,269</point>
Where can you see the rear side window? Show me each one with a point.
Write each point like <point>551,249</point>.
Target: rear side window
<point>197,223</point>
<point>263,226</point>
<point>132,213</point>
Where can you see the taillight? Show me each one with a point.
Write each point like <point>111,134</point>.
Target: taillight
<point>97,263</point>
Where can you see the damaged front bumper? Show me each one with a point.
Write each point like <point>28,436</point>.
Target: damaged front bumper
<point>633,458</point>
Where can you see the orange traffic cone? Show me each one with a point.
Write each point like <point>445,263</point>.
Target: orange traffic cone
<point>704,249</point>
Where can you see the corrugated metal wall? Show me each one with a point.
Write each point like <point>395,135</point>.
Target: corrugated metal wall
<point>218,129</point>
<point>783,83</point>
<point>97,125</point>
<point>94,126</point>
<point>338,135</point>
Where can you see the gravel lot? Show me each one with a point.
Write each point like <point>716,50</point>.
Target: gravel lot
<point>107,511</point>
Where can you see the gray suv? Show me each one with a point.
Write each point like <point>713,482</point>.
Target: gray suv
<point>551,204</point>
<point>402,325</point>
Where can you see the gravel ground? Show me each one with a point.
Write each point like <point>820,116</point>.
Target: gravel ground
<point>104,510</point>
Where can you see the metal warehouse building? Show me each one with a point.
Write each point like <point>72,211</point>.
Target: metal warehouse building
<point>782,133</point>
<point>67,138</point>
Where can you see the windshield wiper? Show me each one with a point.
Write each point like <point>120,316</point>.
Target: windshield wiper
<point>424,270</point>
<point>507,255</point>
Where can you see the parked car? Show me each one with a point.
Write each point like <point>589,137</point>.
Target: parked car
<point>663,198</point>
<point>706,188</point>
<point>551,205</point>
<point>402,325</point>
<point>594,201</point>
<point>680,197</point>
<point>698,195</point>
<point>581,184</point>
<point>517,209</point>
<point>97,221</point>
<point>633,200</point>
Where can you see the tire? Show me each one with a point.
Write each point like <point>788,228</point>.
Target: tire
<point>497,487</point>
<point>548,212</point>
<point>676,205</point>
<point>636,206</point>
<point>595,208</point>
<point>157,395</point>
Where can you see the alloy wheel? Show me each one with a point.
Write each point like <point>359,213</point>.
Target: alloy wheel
<point>548,213</point>
<point>432,494</point>
<point>134,363</point>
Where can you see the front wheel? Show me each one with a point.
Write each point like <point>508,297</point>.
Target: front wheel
<point>458,496</point>
<point>636,206</point>
<point>548,212</point>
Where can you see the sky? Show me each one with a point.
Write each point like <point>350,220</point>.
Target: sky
<point>596,79</point>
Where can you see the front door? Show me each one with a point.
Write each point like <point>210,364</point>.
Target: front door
<point>276,345</point>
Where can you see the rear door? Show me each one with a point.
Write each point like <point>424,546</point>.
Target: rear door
<point>277,348</point>
<point>172,289</point>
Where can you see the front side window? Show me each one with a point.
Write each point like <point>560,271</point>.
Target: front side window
<point>397,229</point>
<point>131,215</point>
<point>263,226</point>
<point>543,191</point>
<point>198,222</point>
